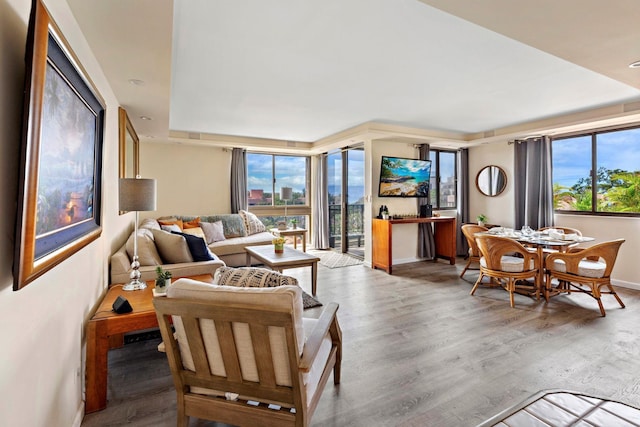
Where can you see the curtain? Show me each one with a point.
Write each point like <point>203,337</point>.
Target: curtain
<point>320,210</point>
<point>238,180</point>
<point>532,183</point>
<point>426,243</point>
<point>462,247</point>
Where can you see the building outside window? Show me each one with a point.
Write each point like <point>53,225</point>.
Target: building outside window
<point>267,174</point>
<point>608,158</point>
<point>444,178</point>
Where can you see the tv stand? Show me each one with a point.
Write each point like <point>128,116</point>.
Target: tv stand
<point>382,233</point>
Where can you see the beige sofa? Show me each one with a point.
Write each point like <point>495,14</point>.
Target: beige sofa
<point>155,246</point>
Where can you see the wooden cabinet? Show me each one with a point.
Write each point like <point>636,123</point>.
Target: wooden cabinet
<point>382,233</point>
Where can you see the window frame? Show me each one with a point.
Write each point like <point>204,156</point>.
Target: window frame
<point>435,171</point>
<point>273,209</point>
<point>593,134</point>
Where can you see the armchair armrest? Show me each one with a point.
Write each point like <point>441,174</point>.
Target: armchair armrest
<point>311,347</point>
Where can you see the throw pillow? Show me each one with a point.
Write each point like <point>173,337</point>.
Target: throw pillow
<point>213,231</point>
<point>147,252</point>
<point>170,227</point>
<point>251,277</point>
<point>177,222</point>
<point>252,223</point>
<point>192,224</point>
<point>173,248</point>
<point>196,231</point>
<point>197,247</point>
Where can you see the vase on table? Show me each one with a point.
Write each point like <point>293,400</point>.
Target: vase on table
<point>278,248</point>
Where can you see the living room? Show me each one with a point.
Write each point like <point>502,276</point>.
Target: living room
<point>43,374</point>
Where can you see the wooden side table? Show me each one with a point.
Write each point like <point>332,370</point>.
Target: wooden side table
<point>295,232</point>
<point>106,323</point>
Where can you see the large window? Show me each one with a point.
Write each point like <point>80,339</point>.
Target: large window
<point>444,176</point>
<point>267,174</point>
<point>610,159</point>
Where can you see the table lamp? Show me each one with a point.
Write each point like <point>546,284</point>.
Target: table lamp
<point>136,194</point>
<point>286,194</point>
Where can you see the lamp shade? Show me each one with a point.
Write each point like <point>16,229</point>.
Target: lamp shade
<point>137,194</point>
<point>286,193</point>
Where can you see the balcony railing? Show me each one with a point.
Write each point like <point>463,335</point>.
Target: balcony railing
<point>355,224</point>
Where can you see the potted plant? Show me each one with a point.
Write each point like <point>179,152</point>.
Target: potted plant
<point>482,219</point>
<point>294,223</point>
<point>163,279</point>
<point>278,244</point>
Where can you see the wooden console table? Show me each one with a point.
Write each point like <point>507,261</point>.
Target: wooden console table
<point>382,231</point>
<point>106,323</point>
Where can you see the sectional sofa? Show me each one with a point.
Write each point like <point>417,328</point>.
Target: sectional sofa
<point>174,243</point>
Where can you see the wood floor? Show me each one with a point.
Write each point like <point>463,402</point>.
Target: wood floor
<point>420,351</point>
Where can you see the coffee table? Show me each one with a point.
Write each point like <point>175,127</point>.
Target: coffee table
<point>106,324</point>
<point>295,232</point>
<point>289,258</point>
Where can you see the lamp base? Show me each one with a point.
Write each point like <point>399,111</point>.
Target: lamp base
<point>134,285</point>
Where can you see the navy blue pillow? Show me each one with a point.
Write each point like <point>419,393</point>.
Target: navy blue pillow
<point>197,247</point>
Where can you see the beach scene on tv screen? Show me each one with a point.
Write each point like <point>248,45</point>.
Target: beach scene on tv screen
<point>404,177</point>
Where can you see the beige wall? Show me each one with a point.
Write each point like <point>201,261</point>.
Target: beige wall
<point>191,180</point>
<point>500,210</point>
<point>42,370</point>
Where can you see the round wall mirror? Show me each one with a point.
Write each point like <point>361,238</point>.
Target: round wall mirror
<point>491,180</point>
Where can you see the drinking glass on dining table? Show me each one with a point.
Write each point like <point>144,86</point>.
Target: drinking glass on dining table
<point>527,231</point>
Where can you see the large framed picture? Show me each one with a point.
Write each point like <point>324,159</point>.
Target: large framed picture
<point>59,202</point>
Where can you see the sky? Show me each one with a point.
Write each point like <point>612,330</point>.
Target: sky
<point>616,150</point>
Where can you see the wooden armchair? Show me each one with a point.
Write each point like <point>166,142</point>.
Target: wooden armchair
<point>237,352</point>
<point>469,231</point>
<point>584,270</point>
<point>508,262</point>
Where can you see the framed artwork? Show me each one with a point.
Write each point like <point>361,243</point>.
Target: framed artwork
<point>59,201</point>
<point>129,146</point>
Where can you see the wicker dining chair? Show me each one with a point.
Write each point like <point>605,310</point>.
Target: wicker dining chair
<point>469,231</point>
<point>584,270</point>
<point>510,264</point>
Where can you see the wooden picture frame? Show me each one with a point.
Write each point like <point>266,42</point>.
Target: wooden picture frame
<point>129,146</point>
<point>59,199</point>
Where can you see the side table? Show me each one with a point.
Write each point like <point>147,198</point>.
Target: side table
<point>295,232</point>
<point>106,323</point>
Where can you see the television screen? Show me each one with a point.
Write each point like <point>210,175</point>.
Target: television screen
<point>401,177</point>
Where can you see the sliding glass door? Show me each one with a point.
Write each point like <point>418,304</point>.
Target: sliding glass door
<point>346,200</point>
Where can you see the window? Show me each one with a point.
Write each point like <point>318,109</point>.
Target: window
<point>266,175</point>
<point>611,159</point>
<point>444,177</point>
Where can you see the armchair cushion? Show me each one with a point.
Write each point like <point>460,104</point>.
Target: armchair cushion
<point>586,268</point>
<point>510,264</point>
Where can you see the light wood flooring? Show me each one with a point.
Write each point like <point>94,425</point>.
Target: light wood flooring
<point>420,351</point>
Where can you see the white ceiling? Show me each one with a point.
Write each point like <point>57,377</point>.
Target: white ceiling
<point>303,70</point>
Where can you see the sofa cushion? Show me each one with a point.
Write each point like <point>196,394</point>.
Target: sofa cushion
<point>147,252</point>
<point>213,231</point>
<point>149,223</point>
<point>170,227</point>
<point>172,248</point>
<point>191,224</point>
<point>232,223</point>
<point>197,247</point>
<point>252,277</point>
<point>177,222</point>
<point>195,231</point>
<point>252,223</point>
<point>237,244</point>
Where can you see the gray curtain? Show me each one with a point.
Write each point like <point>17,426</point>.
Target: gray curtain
<point>462,247</point>
<point>238,180</point>
<point>533,185</point>
<point>426,244</point>
<point>320,212</point>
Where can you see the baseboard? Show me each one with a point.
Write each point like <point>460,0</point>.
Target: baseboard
<point>77,421</point>
<point>628,285</point>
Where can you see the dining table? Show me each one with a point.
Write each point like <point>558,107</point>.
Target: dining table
<point>540,240</point>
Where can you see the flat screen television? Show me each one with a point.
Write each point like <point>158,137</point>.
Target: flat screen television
<point>400,177</point>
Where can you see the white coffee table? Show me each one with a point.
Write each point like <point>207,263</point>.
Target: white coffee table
<point>289,258</point>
